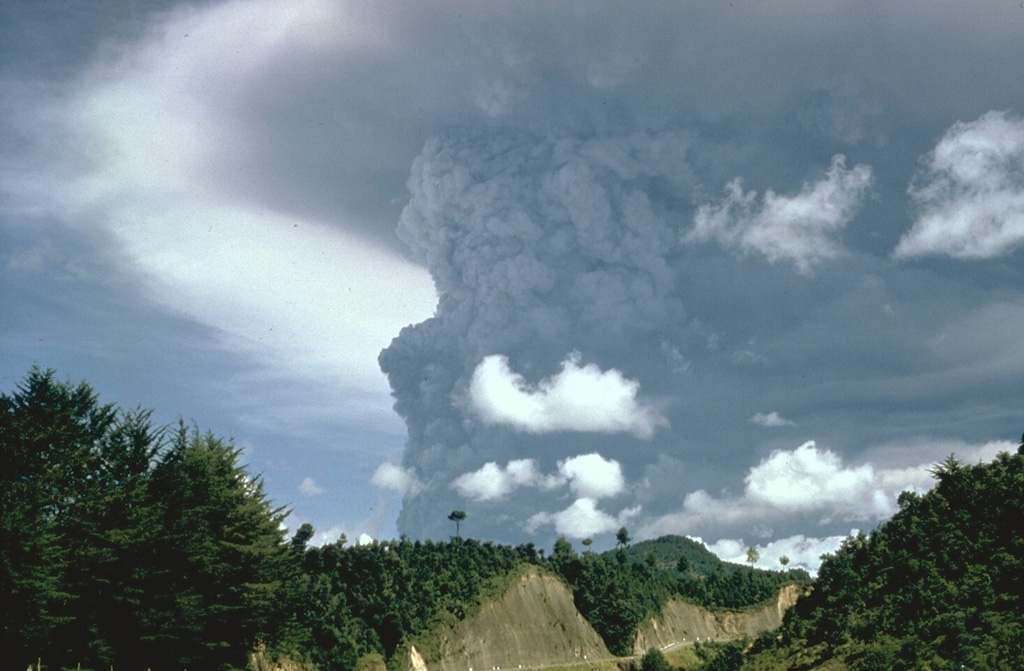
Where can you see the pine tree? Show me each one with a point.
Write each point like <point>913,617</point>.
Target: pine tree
<point>218,554</point>
<point>51,435</point>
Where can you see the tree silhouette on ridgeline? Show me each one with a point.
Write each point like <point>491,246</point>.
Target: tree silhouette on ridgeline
<point>457,516</point>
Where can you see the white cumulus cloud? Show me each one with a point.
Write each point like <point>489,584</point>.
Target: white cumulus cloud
<point>578,398</point>
<point>807,481</point>
<point>592,476</point>
<point>802,551</point>
<point>396,478</point>
<point>583,519</point>
<point>491,482</point>
<point>808,478</point>
<point>587,475</point>
<point>801,228</point>
<point>970,195</point>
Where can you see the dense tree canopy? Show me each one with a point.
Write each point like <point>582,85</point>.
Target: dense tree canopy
<point>137,546</point>
<point>124,544</point>
<point>129,545</point>
<point>938,586</point>
<point>617,590</point>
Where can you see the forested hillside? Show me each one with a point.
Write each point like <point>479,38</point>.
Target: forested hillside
<point>616,594</point>
<point>675,554</point>
<point>702,577</point>
<point>367,599</point>
<point>135,546</point>
<point>129,545</point>
<point>937,587</point>
<point>370,599</point>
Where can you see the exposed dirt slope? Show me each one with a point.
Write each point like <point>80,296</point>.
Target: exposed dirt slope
<point>535,623</point>
<point>683,622</point>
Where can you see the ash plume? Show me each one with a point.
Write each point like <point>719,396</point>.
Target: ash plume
<point>552,260</point>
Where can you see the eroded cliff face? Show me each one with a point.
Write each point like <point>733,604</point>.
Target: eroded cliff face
<point>684,622</point>
<point>535,623</point>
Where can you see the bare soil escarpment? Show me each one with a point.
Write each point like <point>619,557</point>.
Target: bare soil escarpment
<point>534,623</point>
<point>683,622</point>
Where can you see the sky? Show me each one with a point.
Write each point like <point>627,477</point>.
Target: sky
<point>737,271</point>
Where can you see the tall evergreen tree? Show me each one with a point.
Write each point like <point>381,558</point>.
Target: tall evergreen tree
<point>218,556</point>
<point>105,541</point>
<point>117,548</point>
<point>60,451</point>
<point>32,560</point>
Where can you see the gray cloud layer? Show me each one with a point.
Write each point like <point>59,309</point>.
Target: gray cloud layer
<point>648,202</point>
<point>566,221</point>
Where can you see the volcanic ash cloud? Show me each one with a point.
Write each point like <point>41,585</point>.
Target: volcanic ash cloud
<point>551,258</point>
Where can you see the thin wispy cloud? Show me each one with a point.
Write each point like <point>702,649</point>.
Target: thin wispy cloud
<point>147,151</point>
<point>770,420</point>
<point>401,480</point>
<point>309,487</point>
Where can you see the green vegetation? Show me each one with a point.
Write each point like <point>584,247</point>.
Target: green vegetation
<point>937,587</point>
<point>654,660</point>
<point>618,590</point>
<point>668,550</point>
<point>128,545</point>
<point>720,656</point>
<point>132,546</point>
<point>613,597</point>
<point>686,568</point>
<point>372,598</point>
<point>683,658</point>
<point>136,546</point>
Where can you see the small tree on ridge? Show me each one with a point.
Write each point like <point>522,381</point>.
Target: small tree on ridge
<point>457,516</point>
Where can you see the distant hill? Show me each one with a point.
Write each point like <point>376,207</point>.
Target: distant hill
<point>668,550</point>
<point>700,562</point>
